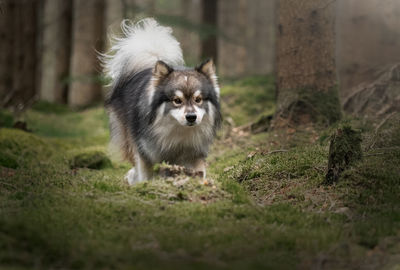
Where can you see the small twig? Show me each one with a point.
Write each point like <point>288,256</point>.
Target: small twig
<point>378,127</point>
<point>322,170</point>
<point>275,151</point>
<point>388,148</point>
<point>384,121</point>
<point>9,185</point>
<point>376,154</point>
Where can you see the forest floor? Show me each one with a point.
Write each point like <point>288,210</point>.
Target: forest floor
<point>263,205</point>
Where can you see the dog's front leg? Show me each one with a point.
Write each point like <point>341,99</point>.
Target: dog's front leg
<point>141,172</point>
<point>199,166</point>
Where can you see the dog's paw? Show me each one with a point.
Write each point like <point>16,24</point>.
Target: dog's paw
<point>131,177</point>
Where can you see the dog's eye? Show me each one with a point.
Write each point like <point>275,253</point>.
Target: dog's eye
<point>198,100</point>
<point>177,101</point>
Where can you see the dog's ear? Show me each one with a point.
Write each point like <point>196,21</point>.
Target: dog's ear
<point>207,68</point>
<point>161,70</point>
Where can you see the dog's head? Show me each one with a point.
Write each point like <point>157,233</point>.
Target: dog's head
<point>188,96</point>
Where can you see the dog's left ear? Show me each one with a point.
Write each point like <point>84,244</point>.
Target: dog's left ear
<point>207,68</point>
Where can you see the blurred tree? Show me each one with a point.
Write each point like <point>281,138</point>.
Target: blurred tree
<point>368,40</point>
<point>368,57</point>
<point>246,37</point>
<point>306,73</point>
<point>85,87</point>
<point>18,52</point>
<point>114,14</point>
<point>232,21</point>
<point>209,17</point>
<point>7,9</point>
<point>55,55</point>
<point>186,34</point>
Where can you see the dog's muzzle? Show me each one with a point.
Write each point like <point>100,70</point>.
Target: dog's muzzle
<point>191,118</point>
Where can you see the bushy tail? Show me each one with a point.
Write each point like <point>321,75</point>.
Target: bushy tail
<point>140,47</point>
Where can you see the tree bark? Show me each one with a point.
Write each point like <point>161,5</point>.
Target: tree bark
<point>56,49</point>
<point>87,30</point>
<point>6,45</point>
<point>209,19</point>
<point>18,52</point>
<point>306,73</point>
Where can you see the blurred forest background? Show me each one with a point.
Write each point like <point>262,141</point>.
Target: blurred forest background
<point>304,173</point>
<point>48,48</point>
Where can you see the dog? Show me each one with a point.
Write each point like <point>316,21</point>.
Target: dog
<point>159,109</point>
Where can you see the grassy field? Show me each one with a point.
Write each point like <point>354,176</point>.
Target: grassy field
<point>259,209</point>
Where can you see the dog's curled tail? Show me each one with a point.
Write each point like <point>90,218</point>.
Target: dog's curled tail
<point>140,47</point>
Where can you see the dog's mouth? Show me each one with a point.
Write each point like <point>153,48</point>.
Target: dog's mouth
<point>189,124</point>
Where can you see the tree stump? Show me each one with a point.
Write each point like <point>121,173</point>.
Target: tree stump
<point>344,151</point>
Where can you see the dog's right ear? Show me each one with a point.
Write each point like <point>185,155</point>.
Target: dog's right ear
<point>161,70</point>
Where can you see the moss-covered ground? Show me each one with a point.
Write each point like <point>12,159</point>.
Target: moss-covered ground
<point>263,205</point>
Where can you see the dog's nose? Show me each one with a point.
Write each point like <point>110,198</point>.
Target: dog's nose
<point>191,117</point>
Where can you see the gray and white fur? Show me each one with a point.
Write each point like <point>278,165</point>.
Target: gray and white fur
<point>160,110</point>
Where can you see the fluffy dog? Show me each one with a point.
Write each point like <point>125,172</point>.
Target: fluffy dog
<point>159,110</point>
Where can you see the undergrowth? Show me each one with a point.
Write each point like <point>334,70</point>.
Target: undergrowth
<point>263,205</point>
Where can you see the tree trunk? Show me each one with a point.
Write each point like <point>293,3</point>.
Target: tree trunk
<point>232,51</point>
<point>209,19</point>
<point>7,11</point>
<point>260,36</point>
<point>114,14</point>
<point>190,40</point>
<point>56,27</point>
<point>306,74</point>
<point>18,52</point>
<point>87,30</point>
<point>246,37</point>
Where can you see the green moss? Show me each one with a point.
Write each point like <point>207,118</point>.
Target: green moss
<point>371,188</point>
<point>6,119</point>
<point>8,160</point>
<point>246,100</point>
<point>91,159</point>
<point>297,163</point>
<point>51,108</point>
<point>258,209</point>
<point>17,146</point>
<point>303,105</point>
<point>344,151</point>
<point>90,125</point>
